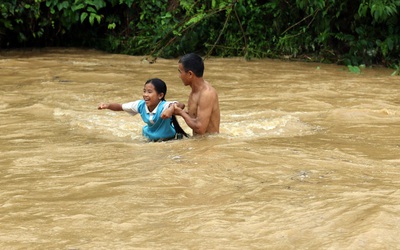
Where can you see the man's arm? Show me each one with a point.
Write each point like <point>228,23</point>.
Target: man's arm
<point>200,123</point>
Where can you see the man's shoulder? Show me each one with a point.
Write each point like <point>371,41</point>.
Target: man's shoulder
<point>208,87</point>
<point>210,90</point>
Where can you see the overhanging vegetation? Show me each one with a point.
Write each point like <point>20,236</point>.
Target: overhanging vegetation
<point>355,33</point>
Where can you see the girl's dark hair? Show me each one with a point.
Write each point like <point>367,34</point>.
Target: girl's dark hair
<point>161,87</point>
<point>178,127</point>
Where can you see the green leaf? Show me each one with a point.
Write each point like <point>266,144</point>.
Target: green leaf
<point>98,4</point>
<point>354,69</point>
<point>362,10</point>
<point>167,15</point>
<point>83,16</point>
<point>91,9</point>
<point>78,7</point>
<point>63,5</point>
<point>91,18</point>
<point>196,18</point>
<point>98,18</point>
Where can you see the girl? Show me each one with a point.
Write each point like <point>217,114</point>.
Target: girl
<point>156,112</point>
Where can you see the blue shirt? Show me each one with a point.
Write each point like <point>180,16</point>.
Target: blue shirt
<point>156,128</point>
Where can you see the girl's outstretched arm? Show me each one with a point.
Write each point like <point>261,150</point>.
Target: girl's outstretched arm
<point>111,106</point>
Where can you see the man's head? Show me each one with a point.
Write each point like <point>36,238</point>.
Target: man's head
<point>192,62</point>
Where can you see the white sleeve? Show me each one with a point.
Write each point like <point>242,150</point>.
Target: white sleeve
<point>131,107</point>
<point>167,104</point>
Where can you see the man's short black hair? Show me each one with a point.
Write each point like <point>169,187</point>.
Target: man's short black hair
<point>194,63</point>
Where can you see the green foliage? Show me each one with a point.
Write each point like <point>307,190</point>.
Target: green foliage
<point>352,33</point>
<point>354,69</point>
<point>397,71</point>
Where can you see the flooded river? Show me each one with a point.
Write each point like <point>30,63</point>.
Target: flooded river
<point>308,157</point>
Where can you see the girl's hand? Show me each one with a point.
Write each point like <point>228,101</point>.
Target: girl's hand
<point>103,106</point>
<point>168,112</point>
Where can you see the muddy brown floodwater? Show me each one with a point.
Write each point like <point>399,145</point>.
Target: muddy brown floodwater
<point>308,157</point>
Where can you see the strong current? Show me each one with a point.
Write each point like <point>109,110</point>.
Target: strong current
<point>308,157</point>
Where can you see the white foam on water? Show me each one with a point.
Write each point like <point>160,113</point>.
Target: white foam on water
<point>245,126</point>
<point>281,126</point>
<point>118,124</point>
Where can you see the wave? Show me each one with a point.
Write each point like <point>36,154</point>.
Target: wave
<point>282,126</point>
<point>238,126</point>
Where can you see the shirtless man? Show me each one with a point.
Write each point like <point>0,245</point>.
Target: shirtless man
<point>202,115</point>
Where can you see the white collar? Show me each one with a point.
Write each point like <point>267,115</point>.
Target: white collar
<point>154,110</point>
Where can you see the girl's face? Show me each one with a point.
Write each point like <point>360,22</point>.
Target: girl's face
<point>151,97</point>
